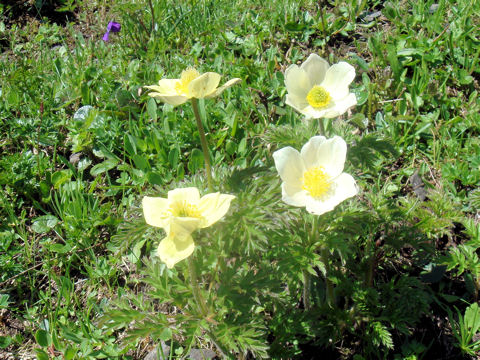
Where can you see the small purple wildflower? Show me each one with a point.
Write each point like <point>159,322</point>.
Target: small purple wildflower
<point>112,27</point>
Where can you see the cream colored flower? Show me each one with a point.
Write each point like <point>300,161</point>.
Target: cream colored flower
<point>191,84</point>
<point>181,213</point>
<point>314,177</point>
<point>318,90</point>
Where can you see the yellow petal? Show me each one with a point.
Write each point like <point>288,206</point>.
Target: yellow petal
<point>183,226</point>
<point>228,84</point>
<point>214,206</point>
<point>173,100</point>
<point>155,211</point>
<point>190,195</point>
<point>204,85</point>
<point>165,87</point>
<point>173,249</point>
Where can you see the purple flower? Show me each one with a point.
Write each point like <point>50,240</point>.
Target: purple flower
<point>112,27</point>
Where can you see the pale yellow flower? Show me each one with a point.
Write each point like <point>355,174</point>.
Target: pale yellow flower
<point>192,84</point>
<point>318,90</point>
<point>314,177</point>
<point>181,213</point>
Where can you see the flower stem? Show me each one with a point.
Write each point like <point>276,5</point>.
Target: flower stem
<point>322,126</point>
<point>203,141</point>
<point>330,296</point>
<point>306,290</point>
<point>202,305</point>
<point>195,288</point>
<point>306,275</point>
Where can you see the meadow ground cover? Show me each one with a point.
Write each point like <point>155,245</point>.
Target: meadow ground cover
<point>282,179</point>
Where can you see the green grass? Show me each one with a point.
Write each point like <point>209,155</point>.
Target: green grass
<point>78,274</point>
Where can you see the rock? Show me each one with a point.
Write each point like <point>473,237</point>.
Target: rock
<point>164,353</point>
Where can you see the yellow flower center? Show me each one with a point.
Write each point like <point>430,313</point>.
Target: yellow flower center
<point>186,78</point>
<point>318,97</point>
<point>184,209</point>
<point>317,182</point>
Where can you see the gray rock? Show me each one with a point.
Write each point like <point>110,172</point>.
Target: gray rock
<point>433,8</point>
<point>164,353</point>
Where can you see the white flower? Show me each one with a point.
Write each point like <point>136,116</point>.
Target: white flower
<point>314,177</point>
<point>318,90</point>
<point>181,213</point>
<point>191,84</point>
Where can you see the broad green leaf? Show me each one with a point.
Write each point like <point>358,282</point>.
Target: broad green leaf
<point>43,338</point>
<point>44,224</point>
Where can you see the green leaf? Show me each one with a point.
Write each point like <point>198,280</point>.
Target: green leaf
<point>155,178</point>
<point>103,167</point>
<point>41,355</point>
<point>173,157</point>
<point>44,224</point>
<point>140,162</point>
<point>294,27</point>
<point>166,334</point>
<point>152,109</point>
<point>61,177</point>
<point>472,317</point>
<point>5,341</point>
<point>59,248</point>
<point>43,338</point>
<point>69,353</point>
<point>196,161</point>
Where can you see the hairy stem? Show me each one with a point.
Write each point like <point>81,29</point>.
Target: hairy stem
<point>203,140</point>
<point>306,275</point>
<point>306,290</point>
<point>322,126</point>
<point>330,296</point>
<point>202,305</point>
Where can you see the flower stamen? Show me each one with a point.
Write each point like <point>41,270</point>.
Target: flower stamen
<point>318,97</point>
<point>317,182</point>
<point>187,76</point>
<point>184,209</point>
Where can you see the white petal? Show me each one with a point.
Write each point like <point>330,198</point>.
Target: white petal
<point>155,210</point>
<point>289,165</point>
<point>296,102</point>
<point>294,196</point>
<point>297,82</point>
<point>341,106</point>
<point>214,206</point>
<point>228,84</point>
<point>171,250</point>
<point>311,113</point>
<point>337,79</point>
<point>318,207</point>
<point>345,187</point>
<point>309,151</point>
<point>204,85</point>
<point>331,156</point>
<point>190,195</point>
<point>315,67</point>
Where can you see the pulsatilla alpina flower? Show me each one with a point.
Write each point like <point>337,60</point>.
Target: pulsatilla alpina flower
<point>192,84</point>
<point>314,177</point>
<point>318,90</point>
<point>181,213</point>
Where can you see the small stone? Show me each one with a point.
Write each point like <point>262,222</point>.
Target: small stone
<point>75,158</point>
<point>418,186</point>
<point>433,8</point>
<point>195,354</point>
